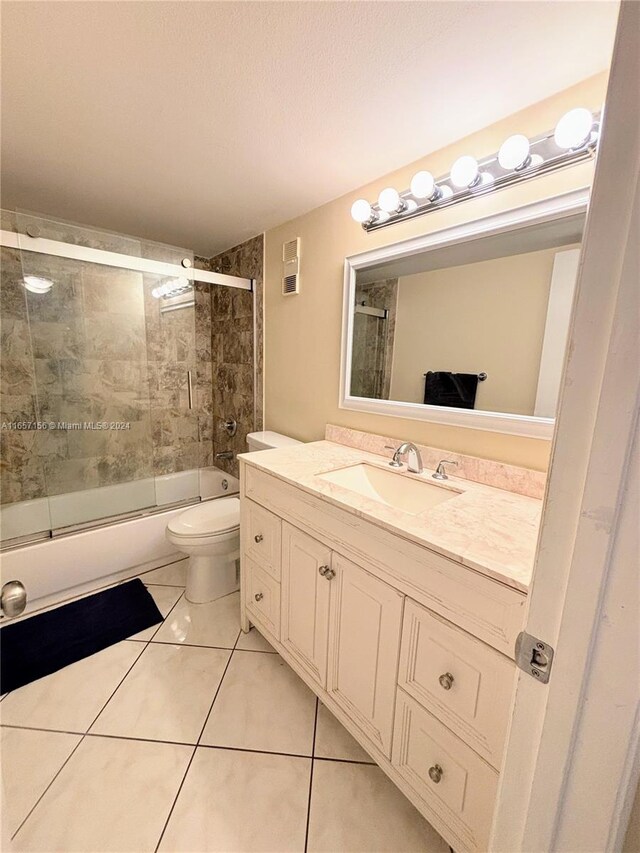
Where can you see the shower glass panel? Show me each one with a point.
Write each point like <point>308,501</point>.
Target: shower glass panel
<point>23,492</point>
<point>101,362</point>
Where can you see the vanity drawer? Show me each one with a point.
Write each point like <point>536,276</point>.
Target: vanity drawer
<point>262,597</point>
<point>447,775</point>
<point>261,533</point>
<point>462,681</point>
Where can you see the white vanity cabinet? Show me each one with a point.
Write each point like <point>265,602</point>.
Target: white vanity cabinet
<point>404,646</point>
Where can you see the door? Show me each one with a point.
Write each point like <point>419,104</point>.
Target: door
<point>306,587</point>
<point>570,767</point>
<point>366,622</point>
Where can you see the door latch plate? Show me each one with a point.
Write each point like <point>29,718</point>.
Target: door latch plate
<point>534,656</point>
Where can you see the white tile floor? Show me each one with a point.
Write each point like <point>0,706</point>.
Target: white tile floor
<point>192,737</point>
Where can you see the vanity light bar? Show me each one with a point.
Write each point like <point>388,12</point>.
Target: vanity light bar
<point>574,138</point>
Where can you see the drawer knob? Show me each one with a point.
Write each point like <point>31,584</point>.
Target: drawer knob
<point>435,773</point>
<point>258,538</point>
<point>446,681</point>
<point>258,596</point>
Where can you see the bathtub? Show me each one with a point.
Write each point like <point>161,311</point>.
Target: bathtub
<point>75,562</point>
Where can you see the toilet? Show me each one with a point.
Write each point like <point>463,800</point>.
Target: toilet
<point>209,534</point>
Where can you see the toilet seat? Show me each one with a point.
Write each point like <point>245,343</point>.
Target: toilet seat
<point>207,520</point>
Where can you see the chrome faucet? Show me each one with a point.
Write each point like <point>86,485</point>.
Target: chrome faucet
<point>440,473</point>
<point>414,460</point>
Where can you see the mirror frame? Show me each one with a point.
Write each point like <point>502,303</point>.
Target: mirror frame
<point>547,210</point>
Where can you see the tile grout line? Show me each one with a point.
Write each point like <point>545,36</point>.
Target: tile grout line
<point>164,618</point>
<point>37,802</point>
<point>84,734</point>
<point>195,748</point>
<point>313,752</point>
<point>147,643</point>
<point>186,743</point>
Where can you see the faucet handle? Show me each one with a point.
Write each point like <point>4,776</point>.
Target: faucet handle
<point>395,462</point>
<point>440,473</point>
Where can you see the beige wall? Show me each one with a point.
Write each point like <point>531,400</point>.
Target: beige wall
<point>303,332</point>
<point>488,316</point>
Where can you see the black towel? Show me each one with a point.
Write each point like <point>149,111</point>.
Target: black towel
<point>442,388</point>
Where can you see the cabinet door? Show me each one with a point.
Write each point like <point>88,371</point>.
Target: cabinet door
<point>366,620</point>
<point>305,600</point>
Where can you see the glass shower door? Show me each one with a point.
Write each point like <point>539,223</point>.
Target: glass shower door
<point>24,508</point>
<point>87,327</point>
<point>174,390</point>
<point>100,361</point>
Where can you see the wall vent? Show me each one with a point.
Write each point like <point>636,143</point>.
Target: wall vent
<point>291,267</point>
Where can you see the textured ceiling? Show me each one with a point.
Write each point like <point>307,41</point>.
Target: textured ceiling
<point>203,123</point>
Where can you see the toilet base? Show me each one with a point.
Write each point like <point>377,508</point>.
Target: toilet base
<point>211,577</point>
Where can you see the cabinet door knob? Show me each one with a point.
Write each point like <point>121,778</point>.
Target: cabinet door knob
<point>435,773</point>
<point>330,574</point>
<point>258,538</point>
<point>323,570</point>
<point>258,596</point>
<point>446,681</point>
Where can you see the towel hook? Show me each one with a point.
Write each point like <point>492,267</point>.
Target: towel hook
<point>482,376</point>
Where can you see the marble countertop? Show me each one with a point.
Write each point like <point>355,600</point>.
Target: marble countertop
<point>489,530</point>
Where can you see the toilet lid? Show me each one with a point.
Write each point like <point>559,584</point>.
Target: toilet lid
<point>216,516</point>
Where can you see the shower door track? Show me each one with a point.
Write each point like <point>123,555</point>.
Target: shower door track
<point>95,524</point>
<point>43,246</point>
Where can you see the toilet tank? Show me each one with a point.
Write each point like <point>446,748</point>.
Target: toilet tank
<point>269,440</point>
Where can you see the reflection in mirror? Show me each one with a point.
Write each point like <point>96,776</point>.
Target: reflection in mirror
<point>478,325</point>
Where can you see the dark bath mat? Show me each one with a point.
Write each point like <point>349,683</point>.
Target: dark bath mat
<point>43,644</point>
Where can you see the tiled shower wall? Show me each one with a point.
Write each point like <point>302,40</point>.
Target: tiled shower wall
<point>75,354</point>
<point>236,333</point>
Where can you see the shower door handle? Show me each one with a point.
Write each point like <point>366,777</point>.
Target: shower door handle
<point>190,389</point>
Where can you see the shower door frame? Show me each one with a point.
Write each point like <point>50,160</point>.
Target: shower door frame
<point>103,257</point>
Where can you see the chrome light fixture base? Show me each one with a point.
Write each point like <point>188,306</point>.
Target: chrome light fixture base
<point>544,157</point>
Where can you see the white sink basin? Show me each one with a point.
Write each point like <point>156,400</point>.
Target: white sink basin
<point>395,490</point>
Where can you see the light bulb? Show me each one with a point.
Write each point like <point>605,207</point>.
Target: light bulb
<point>171,287</point>
<point>574,128</point>
<point>514,152</point>
<point>35,284</point>
<point>464,171</point>
<point>423,185</point>
<point>389,200</point>
<point>361,210</point>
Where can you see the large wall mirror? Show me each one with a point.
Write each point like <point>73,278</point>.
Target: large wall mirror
<point>467,326</point>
